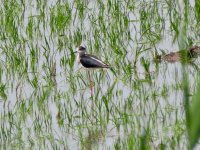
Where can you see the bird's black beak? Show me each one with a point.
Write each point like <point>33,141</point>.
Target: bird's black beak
<point>75,52</point>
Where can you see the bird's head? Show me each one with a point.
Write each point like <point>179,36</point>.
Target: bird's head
<point>80,50</point>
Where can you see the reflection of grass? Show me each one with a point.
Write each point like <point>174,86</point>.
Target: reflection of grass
<point>91,140</point>
<point>43,97</point>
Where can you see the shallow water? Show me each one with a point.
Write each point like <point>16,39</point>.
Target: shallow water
<point>45,95</point>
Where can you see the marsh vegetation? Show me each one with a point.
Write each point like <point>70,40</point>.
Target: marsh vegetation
<point>139,103</point>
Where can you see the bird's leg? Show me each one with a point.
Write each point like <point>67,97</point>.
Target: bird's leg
<point>90,84</point>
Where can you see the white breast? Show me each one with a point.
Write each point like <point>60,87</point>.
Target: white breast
<point>78,59</point>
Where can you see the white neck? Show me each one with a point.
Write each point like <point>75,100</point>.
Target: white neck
<point>80,53</point>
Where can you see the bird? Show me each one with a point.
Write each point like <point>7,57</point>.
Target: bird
<point>89,62</point>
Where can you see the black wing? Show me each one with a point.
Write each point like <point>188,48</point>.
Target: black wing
<point>90,61</point>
